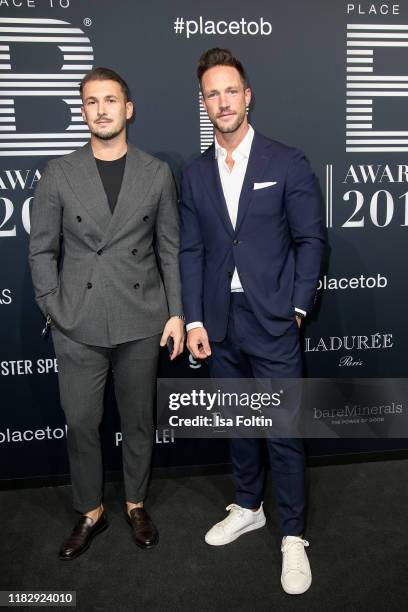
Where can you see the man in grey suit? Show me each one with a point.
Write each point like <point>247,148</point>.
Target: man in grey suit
<point>104,263</point>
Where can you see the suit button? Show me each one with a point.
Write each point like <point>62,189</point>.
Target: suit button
<point>136,285</point>
<point>146,218</point>
<point>235,242</point>
<point>89,285</point>
<point>134,251</point>
<point>99,252</point>
<point>230,275</point>
<point>79,219</point>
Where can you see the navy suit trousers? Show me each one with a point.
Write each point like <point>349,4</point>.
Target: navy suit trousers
<point>249,351</point>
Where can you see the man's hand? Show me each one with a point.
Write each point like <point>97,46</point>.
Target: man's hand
<point>198,344</point>
<point>174,328</point>
<point>299,320</point>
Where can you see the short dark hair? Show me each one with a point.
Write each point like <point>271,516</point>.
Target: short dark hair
<point>220,57</point>
<point>105,74</point>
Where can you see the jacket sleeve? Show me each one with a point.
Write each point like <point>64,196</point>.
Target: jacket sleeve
<point>191,256</point>
<point>167,232</point>
<point>304,209</point>
<point>45,233</point>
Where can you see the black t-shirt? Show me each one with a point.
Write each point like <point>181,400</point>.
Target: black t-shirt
<point>111,173</point>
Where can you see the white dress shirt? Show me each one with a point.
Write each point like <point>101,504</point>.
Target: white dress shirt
<point>232,181</point>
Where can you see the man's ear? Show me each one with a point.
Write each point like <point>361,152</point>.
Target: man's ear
<point>248,96</point>
<point>129,109</point>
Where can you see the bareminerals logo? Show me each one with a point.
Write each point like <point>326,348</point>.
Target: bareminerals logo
<point>355,414</point>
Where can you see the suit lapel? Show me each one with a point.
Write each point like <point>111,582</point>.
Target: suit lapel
<point>256,167</point>
<point>83,176</point>
<point>137,181</point>
<point>212,182</point>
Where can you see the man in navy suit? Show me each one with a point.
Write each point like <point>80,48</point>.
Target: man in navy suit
<point>252,245</point>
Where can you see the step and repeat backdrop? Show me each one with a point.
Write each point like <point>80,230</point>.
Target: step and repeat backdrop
<point>328,77</point>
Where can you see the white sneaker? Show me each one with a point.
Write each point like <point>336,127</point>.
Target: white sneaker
<point>296,576</point>
<point>239,521</point>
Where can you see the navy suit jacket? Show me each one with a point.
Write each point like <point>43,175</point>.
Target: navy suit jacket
<point>277,245</point>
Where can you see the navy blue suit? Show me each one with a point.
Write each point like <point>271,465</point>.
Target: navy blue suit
<point>277,248</point>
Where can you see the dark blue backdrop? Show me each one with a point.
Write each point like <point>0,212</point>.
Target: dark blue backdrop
<point>331,82</point>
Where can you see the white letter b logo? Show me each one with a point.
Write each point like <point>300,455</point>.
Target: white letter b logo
<point>77,56</point>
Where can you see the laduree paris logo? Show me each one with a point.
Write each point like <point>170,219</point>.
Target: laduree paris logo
<point>364,42</point>
<point>344,344</point>
<point>76,52</point>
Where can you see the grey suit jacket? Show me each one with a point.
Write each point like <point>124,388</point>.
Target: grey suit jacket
<point>118,278</point>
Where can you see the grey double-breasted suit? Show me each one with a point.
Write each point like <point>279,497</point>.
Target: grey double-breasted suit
<point>109,282</point>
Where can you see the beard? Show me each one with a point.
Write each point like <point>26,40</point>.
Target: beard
<point>233,127</point>
<point>107,134</point>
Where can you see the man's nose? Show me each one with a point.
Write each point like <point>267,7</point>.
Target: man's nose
<point>223,102</point>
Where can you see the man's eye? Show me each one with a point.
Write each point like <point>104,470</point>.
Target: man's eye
<point>211,95</point>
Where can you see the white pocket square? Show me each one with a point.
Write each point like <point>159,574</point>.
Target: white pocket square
<point>263,185</point>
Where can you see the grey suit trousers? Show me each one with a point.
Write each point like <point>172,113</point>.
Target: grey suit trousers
<point>82,377</point>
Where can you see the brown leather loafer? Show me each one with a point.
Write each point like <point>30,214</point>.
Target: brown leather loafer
<point>81,537</point>
<point>144,531</point>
